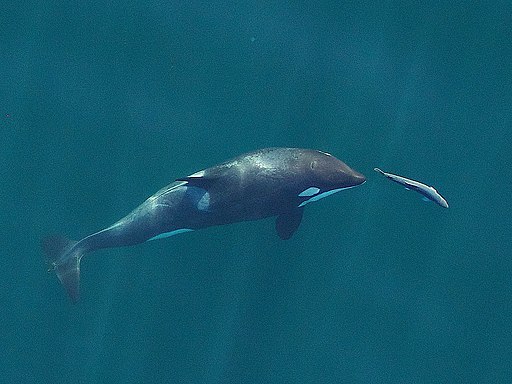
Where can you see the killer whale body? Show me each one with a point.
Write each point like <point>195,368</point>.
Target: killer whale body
<point>259,184</point>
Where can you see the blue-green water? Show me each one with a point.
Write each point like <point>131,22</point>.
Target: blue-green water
<point>102,103</point>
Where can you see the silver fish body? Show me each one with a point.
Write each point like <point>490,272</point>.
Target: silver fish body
<point>427,191</point>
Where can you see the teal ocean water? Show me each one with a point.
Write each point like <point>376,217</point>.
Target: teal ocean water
<point>103,103</point>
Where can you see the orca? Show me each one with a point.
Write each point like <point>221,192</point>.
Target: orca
<point>270,182</point>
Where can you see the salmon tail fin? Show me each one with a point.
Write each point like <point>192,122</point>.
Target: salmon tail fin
<point>64,257</point>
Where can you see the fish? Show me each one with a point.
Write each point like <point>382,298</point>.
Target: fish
<point>269,182</point>
<point>429,193</point>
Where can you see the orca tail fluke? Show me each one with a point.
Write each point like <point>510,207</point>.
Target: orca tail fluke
<point>64,257</point>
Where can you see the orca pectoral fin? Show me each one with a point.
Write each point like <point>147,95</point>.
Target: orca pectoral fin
<point>287,223</point>
<point>425,199</point>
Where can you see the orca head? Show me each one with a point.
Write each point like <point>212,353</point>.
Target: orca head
<point>331,173</point>
<point>326,175</point>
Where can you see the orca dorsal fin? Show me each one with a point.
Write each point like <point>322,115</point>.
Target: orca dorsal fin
<point>200,182</point>
<point>207,178</point>
<point>202,179</point>
<point>288,222</point>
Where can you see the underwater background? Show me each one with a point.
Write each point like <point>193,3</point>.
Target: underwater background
<point>103,103</point>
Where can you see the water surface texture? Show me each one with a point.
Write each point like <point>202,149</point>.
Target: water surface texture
<point>104,103</point>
